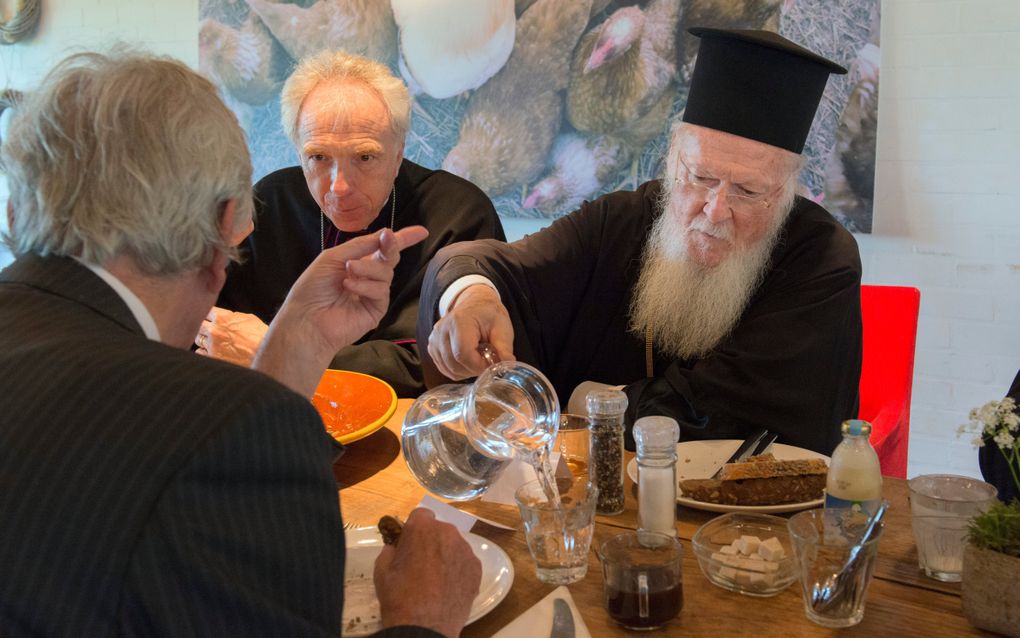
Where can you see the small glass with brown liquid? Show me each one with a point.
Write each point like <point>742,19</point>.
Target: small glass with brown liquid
<point>573,442</point>
<point>642,581</point>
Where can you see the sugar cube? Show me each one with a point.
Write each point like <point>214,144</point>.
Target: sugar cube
<point>771,549</point>
<point>748,545</point>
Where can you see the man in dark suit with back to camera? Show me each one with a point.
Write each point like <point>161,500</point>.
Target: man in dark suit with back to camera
<point>715,294</point>
<point>146,490</point>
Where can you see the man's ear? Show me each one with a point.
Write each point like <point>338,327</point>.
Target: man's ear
<point>10,215</point>
<point>228,218</point>
<point>216,271</point>
<point>400,160</point>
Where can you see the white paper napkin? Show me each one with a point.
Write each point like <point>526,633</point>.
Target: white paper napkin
<point>537,621</point>
<point>449,514</point>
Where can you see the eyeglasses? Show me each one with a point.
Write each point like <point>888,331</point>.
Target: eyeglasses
<point>737,198</point>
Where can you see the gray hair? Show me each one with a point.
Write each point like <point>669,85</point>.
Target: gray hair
<point>335,66</point>
<point>125,154</point>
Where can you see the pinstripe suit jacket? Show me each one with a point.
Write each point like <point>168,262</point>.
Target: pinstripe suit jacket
<point>147,491</point>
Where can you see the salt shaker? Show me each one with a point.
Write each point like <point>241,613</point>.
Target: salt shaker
<point>605,412</point>
<point>656,438</point>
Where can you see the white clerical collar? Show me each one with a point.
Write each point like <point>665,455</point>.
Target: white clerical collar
<point>134,304</point>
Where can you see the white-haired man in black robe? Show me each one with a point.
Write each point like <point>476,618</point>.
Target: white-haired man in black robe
<point>715,295</point>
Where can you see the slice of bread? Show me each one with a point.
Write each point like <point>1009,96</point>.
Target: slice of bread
<point>761,480</point>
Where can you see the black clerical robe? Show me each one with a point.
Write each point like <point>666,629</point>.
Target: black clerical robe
<point>792,363</point>
<point>287,239</point>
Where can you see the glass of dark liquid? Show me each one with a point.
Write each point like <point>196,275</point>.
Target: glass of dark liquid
<point>642,582</point>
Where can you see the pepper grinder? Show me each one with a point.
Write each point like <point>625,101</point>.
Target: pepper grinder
<point>656,438</point>
<point>605,413</point>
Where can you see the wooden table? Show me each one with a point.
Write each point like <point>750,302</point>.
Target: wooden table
<point>374,480</point>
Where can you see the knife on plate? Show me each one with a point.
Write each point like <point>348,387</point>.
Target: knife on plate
<point>563,620</point>
<point>764,445</point>
<point>745,450</point>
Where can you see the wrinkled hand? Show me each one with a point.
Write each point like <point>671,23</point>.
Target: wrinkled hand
<point>345,292</point>
<point>231,336</point>
<point>340,296</point>
<point>429,579</point>
<point>476,316</point>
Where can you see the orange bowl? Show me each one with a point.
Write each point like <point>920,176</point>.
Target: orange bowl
<point>353,405</point>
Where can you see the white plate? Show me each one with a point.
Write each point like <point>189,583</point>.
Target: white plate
<point>361,607</point>
<point>700,459</point>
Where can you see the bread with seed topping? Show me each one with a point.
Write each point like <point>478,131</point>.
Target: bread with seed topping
<point>761,480</point>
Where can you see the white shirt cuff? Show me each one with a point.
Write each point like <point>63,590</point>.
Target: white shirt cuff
<point>457,287</point>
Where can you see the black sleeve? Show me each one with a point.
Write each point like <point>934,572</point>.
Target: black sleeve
<point>538,279</point>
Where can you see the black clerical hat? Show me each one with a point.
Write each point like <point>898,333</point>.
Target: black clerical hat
<point>756,84</point>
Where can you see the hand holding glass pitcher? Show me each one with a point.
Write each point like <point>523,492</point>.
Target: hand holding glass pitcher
<point>458,438</point>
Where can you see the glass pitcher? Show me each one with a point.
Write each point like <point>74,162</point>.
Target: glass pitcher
<point>457,439</point>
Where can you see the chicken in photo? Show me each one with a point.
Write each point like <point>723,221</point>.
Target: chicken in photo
<point>364,27</point>
<point>597,6</point>
<point>580,167</point>
<point>850,169</point>
<point>510,122</point>
<point>623,71</point>
<point>245,62</point>
<point>477,38</point>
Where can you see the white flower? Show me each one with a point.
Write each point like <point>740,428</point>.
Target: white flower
<point>1012,421</point>
<point>987,413</point>
<point>997,421</point>
<point>1004,440</point>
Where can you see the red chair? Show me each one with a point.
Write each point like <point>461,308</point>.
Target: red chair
<point>889,314</point>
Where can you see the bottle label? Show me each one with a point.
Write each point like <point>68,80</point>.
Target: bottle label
<point>867,507</point>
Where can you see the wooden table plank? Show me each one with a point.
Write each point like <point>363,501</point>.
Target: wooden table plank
<point>374,480</point>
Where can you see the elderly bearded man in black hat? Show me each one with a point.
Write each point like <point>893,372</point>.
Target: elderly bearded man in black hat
<point>715,295</point>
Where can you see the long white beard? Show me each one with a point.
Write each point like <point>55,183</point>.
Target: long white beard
<point>691,308</point>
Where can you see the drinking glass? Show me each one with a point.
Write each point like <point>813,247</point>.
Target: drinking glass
<point>941,505</point>
<point>642,582</point>
<point>573,443</point>
<point>832,585</point>
<point>559,534</point>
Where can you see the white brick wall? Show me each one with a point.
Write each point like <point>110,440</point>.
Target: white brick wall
<point>66,26</point>
<point>946,217</point>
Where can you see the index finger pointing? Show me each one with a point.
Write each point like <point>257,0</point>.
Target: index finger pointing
<point>407,237</point>
<point>391,243</point>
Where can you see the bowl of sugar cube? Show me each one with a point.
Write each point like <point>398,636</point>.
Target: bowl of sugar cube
<point>750,554</point>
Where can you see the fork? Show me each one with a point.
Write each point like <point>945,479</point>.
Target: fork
<point>350,525</point>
